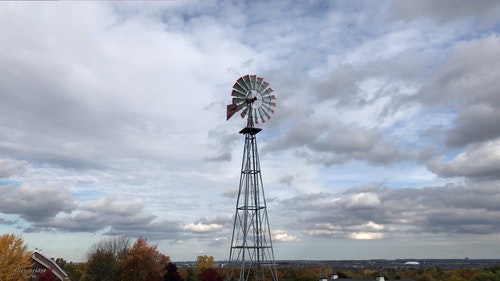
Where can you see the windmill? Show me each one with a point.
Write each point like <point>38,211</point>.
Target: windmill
<point>251,256</point>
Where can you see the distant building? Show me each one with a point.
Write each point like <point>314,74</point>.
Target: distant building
<point>41,263</point>
<point>335,277</point>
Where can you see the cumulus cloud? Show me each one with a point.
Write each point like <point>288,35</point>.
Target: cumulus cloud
<point>479,161</point>
<point>444,210</point>
<point>35,204</point>
<point>330,142</point>
<point>479,122</point>
<point>202,227</point>
<point>282,236</point>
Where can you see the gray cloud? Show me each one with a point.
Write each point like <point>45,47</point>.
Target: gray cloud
<point>383,212</point>
<point>479,122</point>
<point>478,161</point>
<point>330,142</point>
<point>10,167</point>
<point>99,215</point>
<point>224,143</point>
<point>35,204</point>
<point>445,11</point>
<point>128,218</point>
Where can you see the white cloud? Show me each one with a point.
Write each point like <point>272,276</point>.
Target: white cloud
<point>365,235</point>
<point>202,227</point>
<point>281,236</point>
<point>361,201</point>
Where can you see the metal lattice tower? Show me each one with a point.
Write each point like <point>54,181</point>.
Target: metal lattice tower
<point>251,256</point>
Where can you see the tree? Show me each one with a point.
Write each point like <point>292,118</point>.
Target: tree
<point>188,274</point>
<point>61,263</point>
<point>15,259</point>
<point>211,274</point>
<point>171,273</point>
<point>47,275</point>
<point>203,263</point>
<point>75,271</point>
<point>106,259</point>
<point>144,263</point>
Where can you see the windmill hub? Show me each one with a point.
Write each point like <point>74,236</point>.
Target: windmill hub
<point>255,98</point>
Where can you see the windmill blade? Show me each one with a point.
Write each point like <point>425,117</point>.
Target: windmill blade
<point>268,108</point>
<point>254,115</point>
<point>252,82</point>
<point>239,99</point>
<point>243,85</point>
<point>261,112</point>
<point>245,112</point>
<point>246,80</point>
<point>269,104</point>
<point>265,85</point>
<point>240,103</point>
<point>264,112</point>
<point>259,85</point>
<point>238,86</point>
<point>267,92</point>
<point>236,93</point>
<point>269,100</point>
<point>269,97</point>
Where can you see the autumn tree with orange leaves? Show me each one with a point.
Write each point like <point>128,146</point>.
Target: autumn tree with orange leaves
<point>144,263</point>
<point>15,259</point>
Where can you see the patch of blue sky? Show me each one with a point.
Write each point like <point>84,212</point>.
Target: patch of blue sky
<point>474,28</point>
<point>495,29</point>
<point>353,173</point>
<point>87,193</point>
<point>357,173</point>
<point>11,223</point>
<point>451,155</point>
<point>266,134</point>
<point>423,128</point>
<point>10,183</point>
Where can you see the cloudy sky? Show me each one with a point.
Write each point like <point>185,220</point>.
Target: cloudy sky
<point>385,142</point>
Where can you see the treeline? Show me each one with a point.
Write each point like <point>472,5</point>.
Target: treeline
<point>118,259</point>
<point>430,274</point>
<point>114,259</point>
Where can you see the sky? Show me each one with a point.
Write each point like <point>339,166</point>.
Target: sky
<point>385,142</point>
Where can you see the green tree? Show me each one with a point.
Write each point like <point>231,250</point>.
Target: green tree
<point>188,274</point>
<point>75,271</point>
<point>106,259</point>
<point>486,275</point>
<point>15,259</point>
<point>144,263</point>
